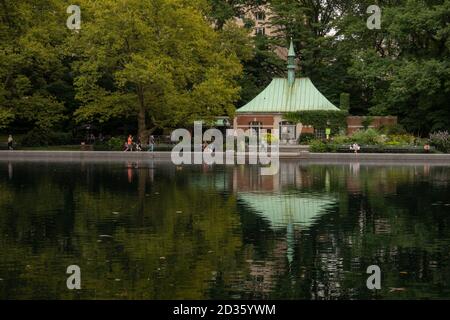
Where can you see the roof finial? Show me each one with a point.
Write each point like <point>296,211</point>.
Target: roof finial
<point>291,49</point>
<point>291,64</point>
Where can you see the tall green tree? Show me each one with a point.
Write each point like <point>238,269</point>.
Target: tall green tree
<point>404,68</point>
<point>159,62</point>
<point>262,63</point>
<point>312,25</point>
<point>401,69</point>
<point>32,70</point>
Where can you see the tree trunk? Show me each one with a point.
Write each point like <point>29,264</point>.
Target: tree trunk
<point>142,127</point>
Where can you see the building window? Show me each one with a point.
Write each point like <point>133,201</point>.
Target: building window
<point>320,133</point>
<point>257,126</point>
<point>287,131</point>
<point>260,16</point>
<point>260,31</point>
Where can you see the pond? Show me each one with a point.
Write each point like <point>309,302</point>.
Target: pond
<point>152,230</point>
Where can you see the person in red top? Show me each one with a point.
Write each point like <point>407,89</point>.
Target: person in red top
<point>129,146</point>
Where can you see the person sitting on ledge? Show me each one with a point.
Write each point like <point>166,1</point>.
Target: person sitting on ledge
<point>355,147</point>
<point>139,145</point>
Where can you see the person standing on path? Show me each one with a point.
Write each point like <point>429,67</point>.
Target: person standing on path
<point>129,143</point>
<point>151,143</point>
<point>10,142</point>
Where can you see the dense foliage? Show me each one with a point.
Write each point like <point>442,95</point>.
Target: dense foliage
<point>372,140</point>
<point>402,69</point>
<point>148,65</point>
<point>441,140</point>
<point>335,120</point>
<point>155,64</point>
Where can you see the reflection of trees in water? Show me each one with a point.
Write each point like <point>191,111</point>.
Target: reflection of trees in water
<point>390,222</point>
<point>387,220</point>
<point>180,234</point>
<point>167,241</point>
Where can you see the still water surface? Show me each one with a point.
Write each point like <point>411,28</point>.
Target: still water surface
<point>155,231</point>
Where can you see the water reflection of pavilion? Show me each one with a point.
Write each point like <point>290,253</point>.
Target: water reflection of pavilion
<point>281,201</point>
<point>282,210</point>
<point>278,198</point>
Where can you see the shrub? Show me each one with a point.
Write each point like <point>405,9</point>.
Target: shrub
<point>369,136</point>
<point>306,138</point>
<point>43,137</point>
<point>341,139</point>
<point>401,139</point>
<point>393,129</point>
<point>321,146</point>
<point>318,146</point>
<point>116,144</point>
<point>441,140</point>
<point>60,138</point>
<point>113,144</point>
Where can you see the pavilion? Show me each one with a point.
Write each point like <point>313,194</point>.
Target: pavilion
<point>282,96</point>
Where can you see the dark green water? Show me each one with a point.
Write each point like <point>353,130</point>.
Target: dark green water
<point>154,231</point>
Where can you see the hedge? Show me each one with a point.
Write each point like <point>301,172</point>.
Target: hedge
<point>336,120</point>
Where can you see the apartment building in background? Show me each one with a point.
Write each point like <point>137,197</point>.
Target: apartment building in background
<point>261,16</point>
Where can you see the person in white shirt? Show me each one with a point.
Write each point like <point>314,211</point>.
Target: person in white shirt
<point>10,142</point>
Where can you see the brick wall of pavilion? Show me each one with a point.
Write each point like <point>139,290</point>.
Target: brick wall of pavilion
<point>354,123</point>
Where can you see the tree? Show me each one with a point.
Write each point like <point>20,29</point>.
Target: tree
<point>159,62</point>
<point>261,64</point>
<point>31,65</point>
<point>311,24</point>
<point>400,70</point>
<point>403,68</point>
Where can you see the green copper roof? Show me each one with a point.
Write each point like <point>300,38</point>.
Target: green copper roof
<point>279,96</point>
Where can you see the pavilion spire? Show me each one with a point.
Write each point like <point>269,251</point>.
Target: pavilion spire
<point>291,64</point>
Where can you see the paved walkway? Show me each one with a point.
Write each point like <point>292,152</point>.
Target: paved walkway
<point>165,156</point>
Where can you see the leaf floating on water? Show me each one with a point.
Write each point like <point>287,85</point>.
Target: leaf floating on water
<point>403,272</point>
<point>105,236</point>
<point>397,290</point>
